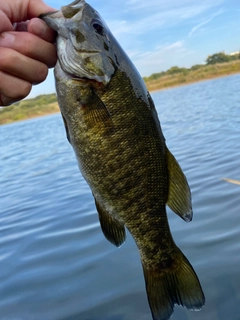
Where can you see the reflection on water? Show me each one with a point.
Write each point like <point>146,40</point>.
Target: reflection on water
<point>55,262</point>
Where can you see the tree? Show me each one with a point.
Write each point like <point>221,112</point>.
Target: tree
<point>176,69</point>
<point>218,58</point>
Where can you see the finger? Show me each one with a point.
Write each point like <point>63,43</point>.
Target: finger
<point>12,89</point>
<point>5,23</point>
<point>37,7</point>
<point>40,29</point>
<point>31,46</point>
<point>26,9</point>
<point>21,66</point>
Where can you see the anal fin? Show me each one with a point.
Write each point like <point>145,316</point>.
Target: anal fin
<point>179,195</point>
<point>113,230</point>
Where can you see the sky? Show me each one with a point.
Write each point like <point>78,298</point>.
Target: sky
<point>160,34</point>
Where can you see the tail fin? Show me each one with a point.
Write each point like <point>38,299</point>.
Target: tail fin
<point>176,284</point>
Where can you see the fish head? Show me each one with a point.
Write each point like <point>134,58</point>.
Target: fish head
<point>83,42</point>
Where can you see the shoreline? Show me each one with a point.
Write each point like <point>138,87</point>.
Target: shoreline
<point>54,109</point>
<point>23,111</point>
<point>192,82</point>
<point>30,118</point>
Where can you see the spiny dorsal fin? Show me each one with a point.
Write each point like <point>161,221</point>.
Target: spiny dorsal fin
<point>113,230</point>
<point>179,195</point>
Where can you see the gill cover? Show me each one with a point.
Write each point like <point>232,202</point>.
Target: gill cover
<point>83,42</point>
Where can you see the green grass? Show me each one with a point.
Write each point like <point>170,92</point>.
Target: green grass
<point>179,76</point>
<point>29,108</point>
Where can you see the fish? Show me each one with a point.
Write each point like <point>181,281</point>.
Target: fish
<point>113,126</point>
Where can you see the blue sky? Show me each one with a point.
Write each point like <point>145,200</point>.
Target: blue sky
<point>159,34</point>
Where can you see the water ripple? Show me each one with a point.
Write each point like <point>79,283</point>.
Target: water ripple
<point>55,261</point>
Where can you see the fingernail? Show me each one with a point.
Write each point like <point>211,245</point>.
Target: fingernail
<point>7,38</point>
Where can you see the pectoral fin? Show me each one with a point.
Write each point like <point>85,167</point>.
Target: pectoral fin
<point>97,114</point>
<point>179,195</point>
<point>113,230</point>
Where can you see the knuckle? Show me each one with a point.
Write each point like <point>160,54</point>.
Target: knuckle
<point>6,57</point>
<point>53,62</point>
<point>16,95</point>
<point>52,56</point>
<point>29,45</point>
<point>22,92</point>
<point>26,89</point>
<point>42,73</point>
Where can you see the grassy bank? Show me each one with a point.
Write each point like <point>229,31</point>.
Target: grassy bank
<point>181,76</point>
<point>29,108</point>
<point>47,104</point>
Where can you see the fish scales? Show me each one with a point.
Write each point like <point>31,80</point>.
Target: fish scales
<point>113,127</point>
<point>119,159</point>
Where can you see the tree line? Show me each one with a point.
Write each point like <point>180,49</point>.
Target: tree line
<point>219,57</point>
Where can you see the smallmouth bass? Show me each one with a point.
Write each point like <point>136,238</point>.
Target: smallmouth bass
<point>113,127</point>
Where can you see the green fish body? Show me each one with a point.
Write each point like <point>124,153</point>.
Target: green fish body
<point>113,127</point>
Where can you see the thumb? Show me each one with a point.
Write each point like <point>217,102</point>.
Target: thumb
<point>37,7</point>
<point>17,11</point>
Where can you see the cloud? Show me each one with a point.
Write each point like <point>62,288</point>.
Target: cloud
<point>135,27</point>
<point>203,23</point>
<point>178,45</point>
<point>151,29</point>
<point>162,58</point>
<point>160,15</point>
<point>136,17</point>
<point>163,5</point>
<point>119,27</point>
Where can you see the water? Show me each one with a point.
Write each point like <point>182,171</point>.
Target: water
<point>55,264</point>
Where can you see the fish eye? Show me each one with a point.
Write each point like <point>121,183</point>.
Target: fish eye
<point>98,26</point>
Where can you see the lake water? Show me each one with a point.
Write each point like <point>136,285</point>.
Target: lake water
<point>55,263</point>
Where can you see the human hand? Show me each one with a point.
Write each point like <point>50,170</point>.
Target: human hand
<point>26,48</point>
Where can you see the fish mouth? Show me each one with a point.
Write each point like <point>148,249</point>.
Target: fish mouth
<point>81,79</point>
<point>63,43</point>
<point>55,20</point>
<point>42,16</point>
<point>49,18</point>
<point>80,74</point>
<point>87,52</point>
